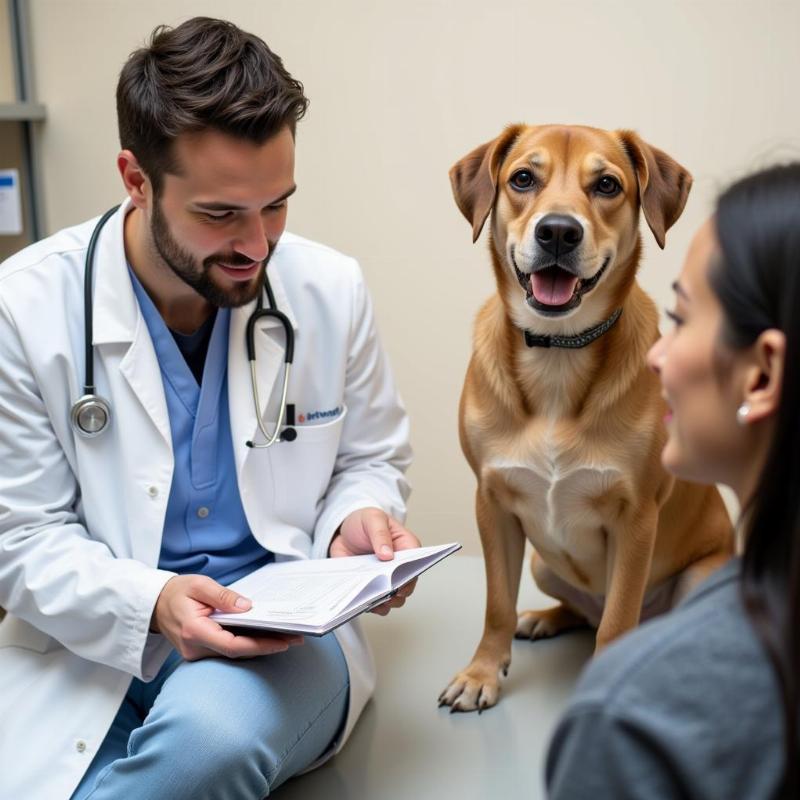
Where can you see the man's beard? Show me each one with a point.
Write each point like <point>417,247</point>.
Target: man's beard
<point>197,276</point>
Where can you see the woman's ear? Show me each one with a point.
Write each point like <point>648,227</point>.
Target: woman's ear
<point>764,376</point>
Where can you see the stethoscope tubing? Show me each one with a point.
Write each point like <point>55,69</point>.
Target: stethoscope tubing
<point>88,305</point>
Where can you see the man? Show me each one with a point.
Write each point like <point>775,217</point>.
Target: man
<point>116,547</point>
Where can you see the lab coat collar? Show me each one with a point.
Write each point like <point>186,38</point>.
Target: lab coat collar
<point>278,289</point>
<point>270,342</point>
<point>115,310</point>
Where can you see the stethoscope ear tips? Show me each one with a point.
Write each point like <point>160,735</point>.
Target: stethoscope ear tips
<point>90,415</point>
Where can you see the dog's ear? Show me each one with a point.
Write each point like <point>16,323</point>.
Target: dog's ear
<point>474,178</point>
<point>663,183</point>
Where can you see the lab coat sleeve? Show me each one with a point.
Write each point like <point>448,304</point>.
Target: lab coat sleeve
<point>374,450</point>
<point>53,575</point>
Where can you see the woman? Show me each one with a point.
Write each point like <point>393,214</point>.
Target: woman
<point>703,703</point>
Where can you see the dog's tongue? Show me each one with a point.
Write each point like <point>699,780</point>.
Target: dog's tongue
<point>553,286</point>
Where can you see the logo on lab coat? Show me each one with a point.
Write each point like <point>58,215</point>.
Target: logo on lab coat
<point>311,416</point>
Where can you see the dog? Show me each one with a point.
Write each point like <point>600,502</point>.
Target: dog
<point>560,418</point>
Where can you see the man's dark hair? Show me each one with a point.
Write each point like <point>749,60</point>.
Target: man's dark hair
<point>204,74</point>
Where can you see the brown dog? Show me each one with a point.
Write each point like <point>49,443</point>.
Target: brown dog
<point>560,418</point>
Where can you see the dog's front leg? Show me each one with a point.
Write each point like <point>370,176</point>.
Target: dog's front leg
<point>478,686</point>
<point>629,558</point>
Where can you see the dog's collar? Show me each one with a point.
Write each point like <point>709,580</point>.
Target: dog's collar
<point>573,342</point>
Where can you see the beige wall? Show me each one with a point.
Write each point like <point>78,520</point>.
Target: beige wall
<point>399,91</point>
<point>8,93</point>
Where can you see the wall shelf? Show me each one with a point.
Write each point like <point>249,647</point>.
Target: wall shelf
<point>22,112</point>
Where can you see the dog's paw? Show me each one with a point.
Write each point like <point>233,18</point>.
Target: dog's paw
<point>547,623</point>
<point>474,689</point>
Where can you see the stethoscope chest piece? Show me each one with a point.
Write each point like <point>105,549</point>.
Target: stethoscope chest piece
<point>90,415</point>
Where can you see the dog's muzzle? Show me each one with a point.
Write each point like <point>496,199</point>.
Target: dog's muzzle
<point>559,290</point>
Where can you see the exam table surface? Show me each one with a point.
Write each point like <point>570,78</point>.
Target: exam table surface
<point>405,747</point>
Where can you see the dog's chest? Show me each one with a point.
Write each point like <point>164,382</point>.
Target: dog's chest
<point>561,487</point>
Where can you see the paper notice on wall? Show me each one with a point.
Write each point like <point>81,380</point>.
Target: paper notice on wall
<point>10,203</point>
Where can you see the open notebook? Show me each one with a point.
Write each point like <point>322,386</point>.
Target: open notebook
<point>315,596</point>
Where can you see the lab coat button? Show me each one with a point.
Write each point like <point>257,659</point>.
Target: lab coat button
<point>80,746</point>
<point>202,512</point>
<point>152,491</point>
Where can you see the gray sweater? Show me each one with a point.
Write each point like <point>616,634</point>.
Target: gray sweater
<point>686,706</point>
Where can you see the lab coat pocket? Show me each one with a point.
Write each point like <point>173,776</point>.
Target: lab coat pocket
<point>302,470</point>
<point>15,632</point>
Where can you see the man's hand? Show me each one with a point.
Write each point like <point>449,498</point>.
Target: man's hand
<point>370,530</point>
<point>182,615</point>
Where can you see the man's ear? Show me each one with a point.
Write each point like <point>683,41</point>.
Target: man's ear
<point>133,177</point>
<point>764,378</point>
<point>663,183</point>
<point>474,178</point>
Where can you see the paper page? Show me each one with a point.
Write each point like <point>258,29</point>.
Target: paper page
<point>312,598</point>
<point>316,591</point>
<point>405,569</point>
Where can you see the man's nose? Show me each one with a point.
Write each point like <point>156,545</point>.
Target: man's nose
<point>558,234</point>
<point>252,240</point>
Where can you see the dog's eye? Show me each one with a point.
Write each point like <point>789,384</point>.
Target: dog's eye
<point>522,180</point>
<point>608,186</point>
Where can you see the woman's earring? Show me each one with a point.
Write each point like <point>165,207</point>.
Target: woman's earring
<point>742,413</point>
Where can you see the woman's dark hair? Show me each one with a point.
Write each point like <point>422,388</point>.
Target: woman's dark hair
<point>757,280</point>
<point>204,74</point>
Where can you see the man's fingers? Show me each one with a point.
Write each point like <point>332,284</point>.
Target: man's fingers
<point>402,538</point>
<point>407,589</point>
<point>252,646</point>
<point>213,594</point>
<point>377,528</point>
<point>225,643</point>
<point>384,608</point>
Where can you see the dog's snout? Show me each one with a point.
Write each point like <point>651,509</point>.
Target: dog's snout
<point>558,234</point>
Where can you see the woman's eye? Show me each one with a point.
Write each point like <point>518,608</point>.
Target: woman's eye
<point>608,186</point>
<point>522,180</point>
<point>674,318</point>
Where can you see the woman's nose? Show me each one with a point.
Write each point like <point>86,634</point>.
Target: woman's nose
<point>655,356</point>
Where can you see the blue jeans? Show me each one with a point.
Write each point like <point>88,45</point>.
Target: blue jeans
<point>221,728</point>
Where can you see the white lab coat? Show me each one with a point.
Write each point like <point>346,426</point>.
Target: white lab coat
<point>81,519</point>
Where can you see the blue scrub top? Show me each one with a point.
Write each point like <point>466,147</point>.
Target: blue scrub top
<point>205,530</point>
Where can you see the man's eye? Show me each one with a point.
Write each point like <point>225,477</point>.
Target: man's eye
<point>522,180</point>
<point>218,217</point>
<point>277,206</point>
<point>608,186</point>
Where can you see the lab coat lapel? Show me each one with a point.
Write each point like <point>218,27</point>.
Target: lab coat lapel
<point>270,353</point>
<point>118,319</point>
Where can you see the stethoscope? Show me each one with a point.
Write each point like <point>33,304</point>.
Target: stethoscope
<point>90,414</point>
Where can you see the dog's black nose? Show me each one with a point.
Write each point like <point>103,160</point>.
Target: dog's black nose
<point>558,234</point>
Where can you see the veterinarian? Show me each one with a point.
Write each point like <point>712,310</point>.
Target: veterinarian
<point>704,701</point>
<point>137,479</point>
